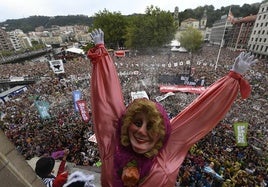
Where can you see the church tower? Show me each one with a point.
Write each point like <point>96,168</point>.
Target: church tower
<point>203,21</point>
<point>176,16</point>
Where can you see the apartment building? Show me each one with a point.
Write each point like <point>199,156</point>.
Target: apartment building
<point>258,42</point>
<point>239,34</point>
<point>219,31</point>
<point>5,43</point>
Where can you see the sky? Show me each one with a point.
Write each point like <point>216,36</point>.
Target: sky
<point>16,9</point>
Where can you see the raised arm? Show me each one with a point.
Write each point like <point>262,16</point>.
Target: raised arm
<point>106,94</point>
<point>204,113</point>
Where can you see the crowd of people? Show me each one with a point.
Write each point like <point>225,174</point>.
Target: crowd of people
<point>238,166</point>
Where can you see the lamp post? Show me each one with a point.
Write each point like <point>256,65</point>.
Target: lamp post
<point>191,59</point>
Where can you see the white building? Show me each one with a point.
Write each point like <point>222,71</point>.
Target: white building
<point>258,42</point>
<point>13,35</point>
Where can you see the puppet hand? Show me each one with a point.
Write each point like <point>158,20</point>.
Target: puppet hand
<point>97,36</point>
<point>243,62</point>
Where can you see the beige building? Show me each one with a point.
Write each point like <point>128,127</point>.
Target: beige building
<point>190,22</point>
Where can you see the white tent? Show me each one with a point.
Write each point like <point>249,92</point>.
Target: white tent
<point>174,48</point>
<point>175,43</point>
<point>178,49</point>
<point>75,50</point>
<point>182,50</point>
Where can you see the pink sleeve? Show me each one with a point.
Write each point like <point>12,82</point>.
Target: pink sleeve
<point>106,98</point>
<point>200,117</point>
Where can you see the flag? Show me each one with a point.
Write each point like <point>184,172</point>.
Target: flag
<point>77,95</point>
<point>42,107</point>
<point>92,138</point>
<point>57,66</point>
<point>230,17</point>
<point>240,130</point>
<point>83,109</point>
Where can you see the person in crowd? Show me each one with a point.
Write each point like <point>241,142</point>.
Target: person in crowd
<point>44,169</point>
<point>138,144</point>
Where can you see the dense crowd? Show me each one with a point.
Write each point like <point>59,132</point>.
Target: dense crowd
<point>238,166</point>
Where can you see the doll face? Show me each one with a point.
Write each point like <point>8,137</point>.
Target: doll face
<point>140,140</point>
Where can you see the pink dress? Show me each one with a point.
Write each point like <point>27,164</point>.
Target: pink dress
<point>189,126</point>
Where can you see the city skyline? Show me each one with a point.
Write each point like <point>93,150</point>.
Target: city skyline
<point>22,9</point>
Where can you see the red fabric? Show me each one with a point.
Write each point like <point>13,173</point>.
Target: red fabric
<point>62,176</point>
<point>245,87</point>
<point>189,126</point>
<point>182,88</point>
<point>61,167</point>
<point>60,180</point>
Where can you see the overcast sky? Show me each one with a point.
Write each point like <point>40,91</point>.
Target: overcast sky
<point>15,9</point>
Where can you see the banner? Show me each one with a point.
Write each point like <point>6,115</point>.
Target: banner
<point>42,107</point>
<point>240,130</point>
<point>77,95</point>
<point>138,94</point>
<point>92,138</point>
<point>182,88</point>
<point>162,97</point>
<point>83,109</point>
<point>57,66</point>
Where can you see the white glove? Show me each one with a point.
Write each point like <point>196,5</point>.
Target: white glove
<point>97,36</point>
<point>243,62</point>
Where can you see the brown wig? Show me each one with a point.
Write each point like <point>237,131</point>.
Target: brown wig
<point>155,118</point>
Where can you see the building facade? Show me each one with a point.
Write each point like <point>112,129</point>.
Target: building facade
<point>13,35</point>
<point>190,22</point>
<point>258,42</point>
<point>5,43</point>
<point>239,35</point>
<point>203,21</point>
<point>219,30</point>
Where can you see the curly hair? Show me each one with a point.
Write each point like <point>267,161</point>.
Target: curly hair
<point>155,118</point>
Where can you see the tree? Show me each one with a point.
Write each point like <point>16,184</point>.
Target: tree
<point>191,39</point>
<point>152,30</point>
<point>114,26</point>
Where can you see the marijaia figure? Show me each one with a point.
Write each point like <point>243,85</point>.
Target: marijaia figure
<point>138,144</point>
